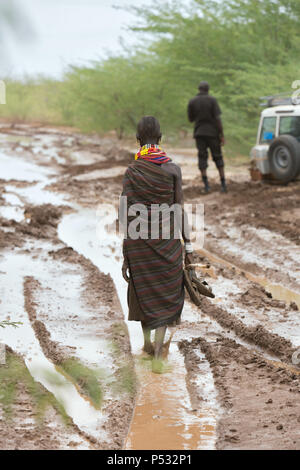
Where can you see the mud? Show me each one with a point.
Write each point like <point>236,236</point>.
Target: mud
<point>258,335</point>
<point>264,205</point>
<point>261,401</point>
<point>26,431</point>
<point>98,289</point>
<point>241,390</point>
<point>51,349</point>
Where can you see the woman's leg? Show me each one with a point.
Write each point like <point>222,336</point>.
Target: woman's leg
<point>148,346</point>
<point>159,341</point>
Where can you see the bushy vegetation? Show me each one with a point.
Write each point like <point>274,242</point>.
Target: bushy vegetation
<point>32,100</point>
<point>244,48</point>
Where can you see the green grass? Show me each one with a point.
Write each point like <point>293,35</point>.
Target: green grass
<point>5,323</point>
<point>125,380</point>
<point>13,375</point>
<point>88,380</point>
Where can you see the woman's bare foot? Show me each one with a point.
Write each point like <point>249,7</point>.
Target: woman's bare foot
<point>165,350</point>
<point>166,347</point>
<point>157,365</point>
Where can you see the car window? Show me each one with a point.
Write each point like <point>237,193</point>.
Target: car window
<point>268,130</point>
<point>290,125</point>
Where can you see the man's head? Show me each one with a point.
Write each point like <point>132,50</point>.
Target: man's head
<point>204,87</point>
<point>148,131</point>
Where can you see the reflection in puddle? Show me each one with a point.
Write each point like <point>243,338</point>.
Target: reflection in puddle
<point>22,340</point>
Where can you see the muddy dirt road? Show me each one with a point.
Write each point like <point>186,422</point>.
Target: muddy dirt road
<point>231,379</point>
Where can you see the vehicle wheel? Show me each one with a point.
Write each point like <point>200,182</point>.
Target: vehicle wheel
<point>284,158</point>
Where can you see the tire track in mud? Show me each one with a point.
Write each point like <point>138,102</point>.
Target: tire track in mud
<point>255,226</point>
<point>269,426</point>
<point>51,349</point>
<point>258,335</point>
<point>260,400</point>
<point>25,342</point>
<point>272,276</point>
<point>249,299</point>
<point>98,288</point>
<point>41,223</point>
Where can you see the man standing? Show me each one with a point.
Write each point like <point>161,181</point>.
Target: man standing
<point>205,112</point>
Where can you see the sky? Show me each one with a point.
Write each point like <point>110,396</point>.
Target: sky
<point>64,32</point>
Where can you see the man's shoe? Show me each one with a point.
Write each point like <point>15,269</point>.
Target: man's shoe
<point>224,188</point>
<point>207,188</point>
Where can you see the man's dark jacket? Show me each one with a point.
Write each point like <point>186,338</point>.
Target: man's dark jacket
<point>205,112</point>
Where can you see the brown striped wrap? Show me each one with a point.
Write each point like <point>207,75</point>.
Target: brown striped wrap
<point>156,288</point>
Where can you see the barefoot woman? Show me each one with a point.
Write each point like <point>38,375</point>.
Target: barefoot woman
<point>155,289</point>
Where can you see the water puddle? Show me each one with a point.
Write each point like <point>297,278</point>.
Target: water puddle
<point>12,213</point>
<point>37,194</point>
<point>16,169</point>
<point>12,168</point>
<point>23,340</point>
<point>163,417</point>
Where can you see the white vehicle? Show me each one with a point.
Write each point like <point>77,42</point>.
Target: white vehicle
<point>276,154</point>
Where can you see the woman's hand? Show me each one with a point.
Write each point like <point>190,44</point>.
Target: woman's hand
<point>125,267</point>
<point>189,259</point>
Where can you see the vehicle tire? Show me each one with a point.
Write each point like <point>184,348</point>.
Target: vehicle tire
<point>284,158</point>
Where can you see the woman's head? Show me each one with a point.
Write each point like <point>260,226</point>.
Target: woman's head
<point>148,131</point>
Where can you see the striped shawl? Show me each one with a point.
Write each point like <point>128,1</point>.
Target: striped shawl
<point>155,265</point>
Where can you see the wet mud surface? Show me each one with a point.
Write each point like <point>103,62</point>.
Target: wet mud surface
<point>255,226</point>
<point>233,354</point>
<point>260,400</point>
<point>24,430</point>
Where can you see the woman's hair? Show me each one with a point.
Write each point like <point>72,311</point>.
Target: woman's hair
<point>148,130</point>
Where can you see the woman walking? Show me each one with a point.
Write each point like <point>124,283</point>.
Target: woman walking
<point>155,266</point>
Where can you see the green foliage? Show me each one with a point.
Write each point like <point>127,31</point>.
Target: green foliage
<point>34,100</point>
<point>244,48</point>
<point>14,377</point>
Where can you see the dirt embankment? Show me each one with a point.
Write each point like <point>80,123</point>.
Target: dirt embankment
<point>257,335</point>
<point>40,222</point>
